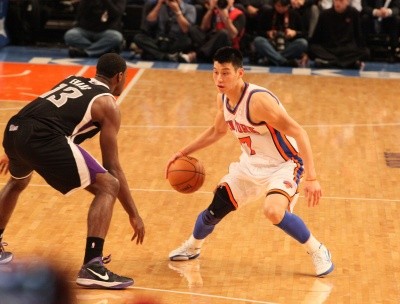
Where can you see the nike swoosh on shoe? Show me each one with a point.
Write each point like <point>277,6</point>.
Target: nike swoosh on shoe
<point>103,277</point>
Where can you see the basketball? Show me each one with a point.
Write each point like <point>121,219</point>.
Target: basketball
<point>186,174</point>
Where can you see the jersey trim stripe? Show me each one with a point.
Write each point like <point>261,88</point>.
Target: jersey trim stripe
<point>248,106</point>
<point>277,142</point>
<point>83,170</point>
<point>87,118</point>
<point>287,151</point>
<point>280,191</point>
<point>231,197</point>
<point>226,100</point>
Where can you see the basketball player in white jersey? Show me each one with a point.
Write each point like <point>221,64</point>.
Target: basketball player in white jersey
<point>270,164</point>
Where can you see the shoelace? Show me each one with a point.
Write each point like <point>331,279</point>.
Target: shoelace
<point>2,244</point>
<point>318,259</point>
<point>185,245</point>
<point>106,259</point>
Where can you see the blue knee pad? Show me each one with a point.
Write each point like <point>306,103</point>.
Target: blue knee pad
<point>295,227</point>
<point>218,209</point>
<point>205,224</point>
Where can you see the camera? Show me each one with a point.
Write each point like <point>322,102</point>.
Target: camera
<point>280,41</point>
<point>222,4</point>
<point>163,43</point>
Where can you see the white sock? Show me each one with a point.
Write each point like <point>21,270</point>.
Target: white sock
<point>312,244</point>
<point>196,243</point>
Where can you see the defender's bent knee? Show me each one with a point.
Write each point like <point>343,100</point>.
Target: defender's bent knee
<point>106,183</point>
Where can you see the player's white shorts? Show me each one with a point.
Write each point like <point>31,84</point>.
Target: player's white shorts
<point>248,183</point>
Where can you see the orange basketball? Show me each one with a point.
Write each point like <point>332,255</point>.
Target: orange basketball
<point>186,174</point>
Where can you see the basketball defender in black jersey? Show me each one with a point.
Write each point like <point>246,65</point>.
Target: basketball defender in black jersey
<point>44,137</point>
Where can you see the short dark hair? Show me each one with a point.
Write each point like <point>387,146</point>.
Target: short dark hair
<point>110,64</point>
<point>229,54</point>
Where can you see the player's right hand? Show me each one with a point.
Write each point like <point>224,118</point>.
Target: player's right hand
<point>138,227</point>
<point>171,160</point>
<point>4,164</point>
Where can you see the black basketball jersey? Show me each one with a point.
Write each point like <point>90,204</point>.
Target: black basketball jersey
<point>66,109</point>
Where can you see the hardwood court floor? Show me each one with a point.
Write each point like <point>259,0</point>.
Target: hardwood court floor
<point>352,122</point>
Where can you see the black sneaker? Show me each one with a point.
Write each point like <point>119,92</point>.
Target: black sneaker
<point>5,256</point>
<point>94,275</point>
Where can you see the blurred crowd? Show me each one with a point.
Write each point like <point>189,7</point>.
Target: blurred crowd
<point>332,33</point>
<point>295,33</point>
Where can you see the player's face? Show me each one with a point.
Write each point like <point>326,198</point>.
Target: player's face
<point>120,85</point>
<point>226,77</point>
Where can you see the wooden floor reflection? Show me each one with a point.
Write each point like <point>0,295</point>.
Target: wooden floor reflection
<point>352,123</point>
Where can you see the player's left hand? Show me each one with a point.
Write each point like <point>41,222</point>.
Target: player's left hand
<point>313,192</point>
<point>4,164</point>
<point>138,226</point>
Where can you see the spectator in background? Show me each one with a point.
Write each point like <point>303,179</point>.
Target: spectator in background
<point>338,40</point>
<point>167,27</point>
<point>98,28</point>
<point>222,25</point>
<point>327,4</point>
<point>281,41</point>
<point>252,9</point>
<point>382,18</point>
<point>309,12</point>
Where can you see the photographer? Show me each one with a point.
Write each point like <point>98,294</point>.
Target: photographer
<point>280,41</point>
<point>222,25</point>
<point>98,28</point>
<point>170,20</point>
<point>338,41</point>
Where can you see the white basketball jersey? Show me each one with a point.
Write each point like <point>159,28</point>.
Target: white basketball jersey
<point>261,144</point>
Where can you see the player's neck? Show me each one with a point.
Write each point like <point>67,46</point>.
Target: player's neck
<point>235,94</point>
<point>103,79</point>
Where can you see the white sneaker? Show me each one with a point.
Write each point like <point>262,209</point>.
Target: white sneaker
<point>5,256</point>
<point>322,261</point>
<point>185,252</point>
